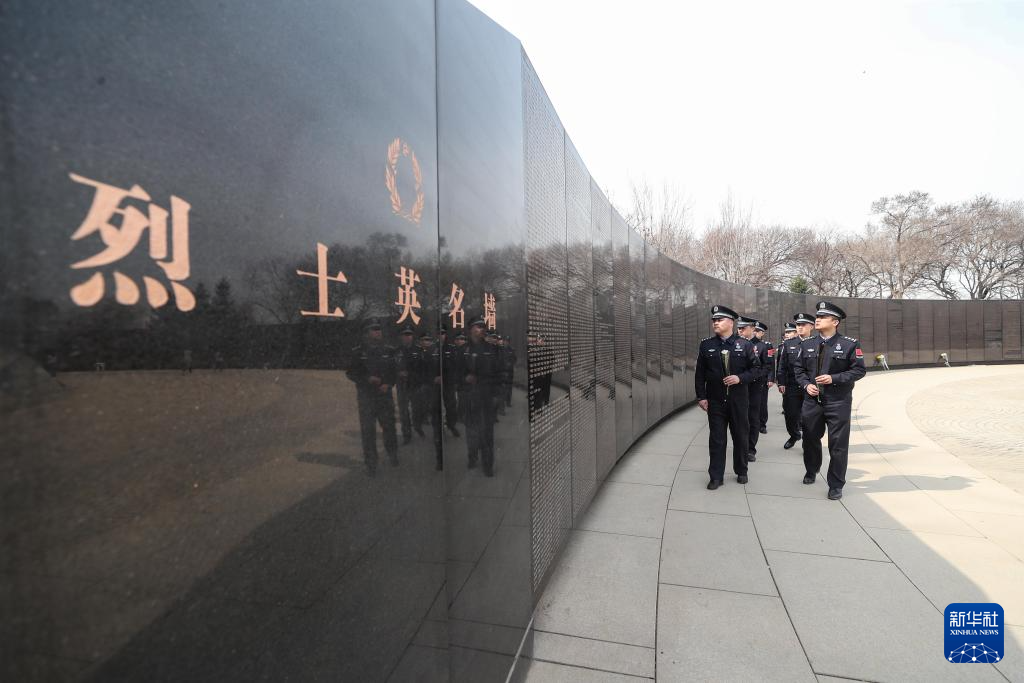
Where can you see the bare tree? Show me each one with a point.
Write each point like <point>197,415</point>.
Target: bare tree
<point>900,249</point>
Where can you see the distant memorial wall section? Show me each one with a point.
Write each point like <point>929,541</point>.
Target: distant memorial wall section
<point>203,208</point>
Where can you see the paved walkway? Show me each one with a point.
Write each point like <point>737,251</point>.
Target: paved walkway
<point>772,581</point>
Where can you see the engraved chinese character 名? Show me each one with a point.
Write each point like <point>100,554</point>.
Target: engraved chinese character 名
<point>322,278</point>
<point>456,313</point>
<point>122,238</point>
<point>490,311</point>
<point>407,298</point>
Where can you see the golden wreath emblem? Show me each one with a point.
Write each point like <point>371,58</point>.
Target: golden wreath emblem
<point>398,149</point>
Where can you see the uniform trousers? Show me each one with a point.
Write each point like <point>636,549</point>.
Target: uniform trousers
<point>377,408</point>
<point>480,416</point>
<point>429,395</point>
<point>792,402</point>
<point>834,413</point>
<point>757,390</point>
<point>728,415</point>
<point>763,422</point>
<point>451,406</point>
<point>405,400</point>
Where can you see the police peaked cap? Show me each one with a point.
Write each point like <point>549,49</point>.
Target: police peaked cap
<point>723,312</point>
<point>829,308</point>
<point>423,335</point>
<point>790,327</point>
<point>760,326</point>
<point>745,322</point>
<point>372,324</point>
<point>479,322</point>
<point>408,329</point>
<point>804,318</point>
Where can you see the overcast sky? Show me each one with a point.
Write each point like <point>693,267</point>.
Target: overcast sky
<point>809,111</point>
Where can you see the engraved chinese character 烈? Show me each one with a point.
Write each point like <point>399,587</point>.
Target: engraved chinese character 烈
<point>122,238</point>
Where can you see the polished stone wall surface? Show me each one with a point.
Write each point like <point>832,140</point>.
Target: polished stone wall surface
<point>211,469</point>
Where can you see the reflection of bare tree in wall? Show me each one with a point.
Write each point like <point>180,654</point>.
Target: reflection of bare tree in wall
<point>662,218</point>
<point>280,294</point>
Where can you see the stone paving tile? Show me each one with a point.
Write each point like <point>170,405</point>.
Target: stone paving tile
<point>865,620</point>
<point>646,468</point>
<point>594,654</point>
<point>690,493</point>
<point>548,672</point>
<point>605,587</point>
<point>694,625</point>
<point>692,537</point>
<point>621,508</point>
<point>957,569</point>
<point>819,527</point>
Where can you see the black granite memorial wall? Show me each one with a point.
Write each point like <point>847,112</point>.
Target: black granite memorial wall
<point>214,466</point>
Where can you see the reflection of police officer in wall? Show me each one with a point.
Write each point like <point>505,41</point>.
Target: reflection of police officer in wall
<point>372,369</point>
<point>757,385</point>
<point>761,331</point>
<point>482,376</point>
<point>429,388</point>
<point>451,405</point>
<point>827,367</point>
<point>792,393</point>
<point>406,393</point>
<point>726,366</point>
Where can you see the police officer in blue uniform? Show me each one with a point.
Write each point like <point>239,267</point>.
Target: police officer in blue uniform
<point>747,327</point>
<point>429,388</point>
<point>761,331</point>
<point>373,369</point>
<point>827,366</point>
<point>792,393</point>
<point>481,376</point>
<point>726,367</point>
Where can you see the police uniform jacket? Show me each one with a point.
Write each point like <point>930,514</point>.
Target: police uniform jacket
<point>482,361</point>
<point>764,355</point>
<point>787,354</point>
<point>372,360</point>
<point>710,370</point>
<point>428,365</point>
<point>839,356</point>
<point>450,354</point>
<point>407,358</point>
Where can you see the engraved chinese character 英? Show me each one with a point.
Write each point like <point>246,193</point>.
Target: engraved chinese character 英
<point>407,298</point>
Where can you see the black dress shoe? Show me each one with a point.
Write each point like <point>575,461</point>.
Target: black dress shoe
<point>809,479</point>
<point>789,443</point>
<point>764,430</point>
<point>741,478</point>
<point>751,457</point>
<point>714,484</point>
<point>835,494</point>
